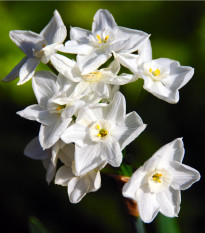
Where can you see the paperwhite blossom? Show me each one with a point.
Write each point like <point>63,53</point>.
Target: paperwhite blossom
<point>101,132</point>
<point>97,82</point>
<point>95,47</point>
<point>156,185</point>
<point>77,186</point>
<point>164,77</point>
<point>55,107</point>
<point>37,47</point>
<point>49,157</point>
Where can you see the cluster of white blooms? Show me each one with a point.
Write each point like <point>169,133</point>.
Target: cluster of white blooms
<point>83,115</point>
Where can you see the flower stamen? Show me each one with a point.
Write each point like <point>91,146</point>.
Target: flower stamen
<point>60,107</point>
<point>155,73</point>
<point>156,177</point>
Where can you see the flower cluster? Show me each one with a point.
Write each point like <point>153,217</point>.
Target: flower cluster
<point>83,115</point>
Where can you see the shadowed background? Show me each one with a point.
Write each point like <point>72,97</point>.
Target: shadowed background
<point>177,32</point>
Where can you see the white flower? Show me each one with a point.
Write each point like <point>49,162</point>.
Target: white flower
<point>164,77</point>
<point>156,185</point>
<point>54,109</point>
<point>97,82</point>
<point>37,47</point>
<point>49,157</point>
<point>78,186</point>
<point>95,47</point>
<point>101,132</point>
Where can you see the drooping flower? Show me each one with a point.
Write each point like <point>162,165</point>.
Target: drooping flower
<point>37,47</point>
<point>156,185</point>
<point>101,132</point>
<point>164,77</point>
<point>106,38</point>
<point>56,106</point>
<point>77,186</point>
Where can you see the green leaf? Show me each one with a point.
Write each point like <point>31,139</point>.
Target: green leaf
<point>125,170</point>
<point>168,225</point>
<point>35,226</point>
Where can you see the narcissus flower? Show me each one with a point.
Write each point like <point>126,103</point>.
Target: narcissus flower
<point>95,47</point>
<point>156,185</point>
<point>101,132</point>
<point>37,47</point>
<point>55,107</point>
<point>164,77</point>
<point>77,186</point>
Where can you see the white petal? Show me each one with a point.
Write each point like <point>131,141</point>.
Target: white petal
<point>111,152</point>
<point>63,175</point>
<point>31,112</point>
<point>72,110</point>
<point>116,109</point>
<point>73,47</point>
<point>173,151</point>
<point>79,34</point>
<point>34,150</point>
<point>145,52</point>
<point>130,129</point>
<point>55,31</point>
<point>87,158</point>
<point>89,63</point>
<point>147,205</point>
<point>27,41</point>
<point>50,134</point>
<point>183,176</point>
<point>62,64</point>
<point>44,86</point>
<point>158,89</point>
<point>27,70</point>
<point>15,71</point>
<point>102,89</point>
<point>169,202</point>
<point>75,133</point>
<point>77,189</point>
<point>103,20</point>
<point>130,188</point>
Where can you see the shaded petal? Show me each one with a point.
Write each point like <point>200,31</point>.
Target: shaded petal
<point>148,205</point>
<point>63,175</point>
<point>111,152</point>
<point>103,20</point>
<point>44,86</point>
<point>89,63</point>
<point>34,150</point>
<point>129,130</point>
<point>50,173</point>
<point>79,34</point>
<point>27,41</point>
<point>87,158</point>
<point>55,31</point>
<point>169,202</point>
<point>50,134</point>
<point>27,70</point>
<point>66,154</point>
<point>31,112</point>
<point>15,71</point>
<point>62,64</point>
<point>183,175</point>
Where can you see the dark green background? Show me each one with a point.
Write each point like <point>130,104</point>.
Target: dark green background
<point>177,32</point>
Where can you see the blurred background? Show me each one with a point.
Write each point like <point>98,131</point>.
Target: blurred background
<point>177,32</point>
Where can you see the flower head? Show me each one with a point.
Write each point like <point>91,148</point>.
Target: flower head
<point>156,185</point>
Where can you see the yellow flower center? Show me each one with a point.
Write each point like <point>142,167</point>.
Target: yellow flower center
<point>157,177</point>
<point>102,132</point>
<point>102,41</point>
<point>155,72</point>
<point>93,76</point>
<point>60,107</point>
